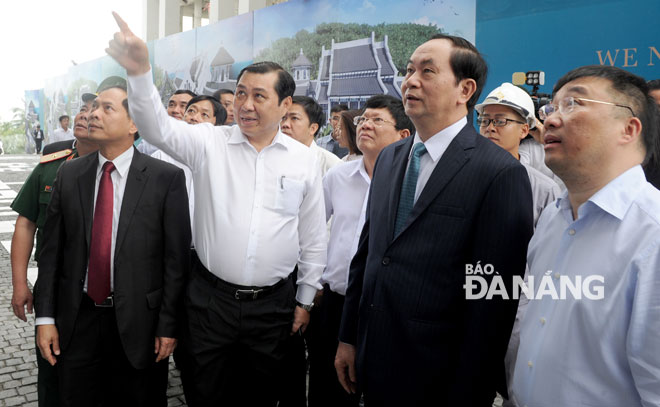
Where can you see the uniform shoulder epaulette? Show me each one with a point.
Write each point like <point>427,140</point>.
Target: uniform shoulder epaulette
<point>55,156</point>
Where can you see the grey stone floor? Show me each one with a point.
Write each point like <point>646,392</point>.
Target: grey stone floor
<point>18,367</point>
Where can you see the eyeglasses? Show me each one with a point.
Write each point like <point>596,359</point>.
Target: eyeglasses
<point>567,104</point>
<point>498,122</point>
<point>377,121</point>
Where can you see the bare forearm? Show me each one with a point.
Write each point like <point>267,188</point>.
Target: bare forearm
<point>22,243</point>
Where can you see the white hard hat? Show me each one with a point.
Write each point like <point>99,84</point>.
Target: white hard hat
<point>511,96</point>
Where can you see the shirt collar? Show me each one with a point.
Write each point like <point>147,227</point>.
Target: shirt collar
<point>614,198</point>
<point>237,137</point>
<point>360,170</point>
<point>122,162</point>
<point>438,143</point>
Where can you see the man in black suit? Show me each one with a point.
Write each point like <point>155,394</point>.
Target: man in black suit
<point>441,202</point>
<point>38,136</point>
<point>113,265</point>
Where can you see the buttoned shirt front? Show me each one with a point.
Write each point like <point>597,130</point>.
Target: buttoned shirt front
<point>345,189</point>
<point>604,350</point>
<point>257,213</point>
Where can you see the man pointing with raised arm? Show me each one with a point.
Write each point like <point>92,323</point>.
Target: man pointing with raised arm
<point>258,213</point>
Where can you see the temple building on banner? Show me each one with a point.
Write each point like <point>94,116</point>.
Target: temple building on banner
<point>353,71</point>
<point>301,71</point>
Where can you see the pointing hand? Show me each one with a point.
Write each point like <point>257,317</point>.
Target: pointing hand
<point>128,49</point>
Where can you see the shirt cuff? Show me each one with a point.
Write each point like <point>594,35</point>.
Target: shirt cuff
<point>305,294</point>
<point>44,321</point>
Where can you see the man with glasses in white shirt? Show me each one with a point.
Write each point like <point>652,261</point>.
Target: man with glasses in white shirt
<point>597,345</point>
<point>383,122</point>
<point>258,214</point>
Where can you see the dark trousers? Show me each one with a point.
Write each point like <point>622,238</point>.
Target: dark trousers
<point>94,371</point>
<point>324,387</point>
<point>237,344</point>
<point>293,380</point>
<point>47,389</point>
<point>37,145</point>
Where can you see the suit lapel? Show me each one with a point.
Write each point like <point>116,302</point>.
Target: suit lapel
<point>86,185</point>
<point>399,164</point>
<point>136,179</point>
<point>452,160</point>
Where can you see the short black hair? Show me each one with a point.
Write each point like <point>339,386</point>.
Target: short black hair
<point>347,117</point>
<point>218,110</point>
<point>466,63</point>
<point>338,108</point>
<point>221,92</point>
<point>313,110</point>
<point>396,109</point>
<point>285,85</point>
<point>64,116</point>
<point>184,92</point>
<point>633,90</point>
<point>653,84</point>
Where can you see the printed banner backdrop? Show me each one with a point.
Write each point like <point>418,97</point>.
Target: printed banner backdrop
<point>359,47</point>
<point>559,35</point>
<point>33,115</point>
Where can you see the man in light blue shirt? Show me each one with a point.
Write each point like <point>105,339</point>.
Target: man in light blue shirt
<point>591,333</point>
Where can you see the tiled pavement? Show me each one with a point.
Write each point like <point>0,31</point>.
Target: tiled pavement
<point>18,368</point>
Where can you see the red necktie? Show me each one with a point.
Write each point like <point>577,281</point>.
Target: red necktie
<point>98,278</point>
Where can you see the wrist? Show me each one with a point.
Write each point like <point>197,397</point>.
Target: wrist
<point>306,307</point>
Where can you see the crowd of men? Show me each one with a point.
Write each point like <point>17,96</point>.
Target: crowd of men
<point>222,229</point>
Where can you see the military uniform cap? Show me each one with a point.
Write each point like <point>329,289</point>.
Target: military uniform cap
<point>112,82</point>
<point>88,97</point>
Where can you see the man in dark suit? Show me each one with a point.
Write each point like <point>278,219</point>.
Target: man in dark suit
<point>441,202</point>
<point>38,136</point>
<point>113,265</point>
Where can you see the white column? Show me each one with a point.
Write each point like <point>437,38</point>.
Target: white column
<point>221,9</point>
<point>150,19</point>
<point>197,13</point>
<point>257,4</point>
<point>169,17</point>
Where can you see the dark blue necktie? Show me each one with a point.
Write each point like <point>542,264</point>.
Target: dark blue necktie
<point>407,198</point>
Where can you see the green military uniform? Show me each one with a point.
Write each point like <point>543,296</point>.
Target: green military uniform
<point>32,201</point>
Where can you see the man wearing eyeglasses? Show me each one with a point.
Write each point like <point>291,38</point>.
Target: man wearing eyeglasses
<point>505,117</point>
<point>440,202</point>
<point>599,346</point>
<point>383,122</point>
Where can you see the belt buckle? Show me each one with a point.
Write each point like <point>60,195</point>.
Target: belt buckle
<point>107,303</point>
<point>254,293</point>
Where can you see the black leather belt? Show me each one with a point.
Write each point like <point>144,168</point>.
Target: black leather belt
<point>107,303</point>
<point>239,292</point>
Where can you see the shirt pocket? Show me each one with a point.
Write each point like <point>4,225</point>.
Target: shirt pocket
<point>289,195</point>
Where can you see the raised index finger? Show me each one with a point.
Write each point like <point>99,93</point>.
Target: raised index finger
<point>123,27</point>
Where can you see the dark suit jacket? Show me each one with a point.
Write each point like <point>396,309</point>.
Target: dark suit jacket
<point>151,257</point>
<point>419,341</point>
<point>57,146</point>
<point>38,134</point>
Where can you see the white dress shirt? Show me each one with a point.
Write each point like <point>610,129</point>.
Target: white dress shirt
<point>324,158</point>
<point>60,135</point>
<point>119,175</point>
<point>435,148</point>
<point>345,190</point>
<point>257,213</point>
<point>159,154</point>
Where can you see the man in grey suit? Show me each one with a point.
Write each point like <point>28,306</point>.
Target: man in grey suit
<point>441,202</point>
<point>113,265</point>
